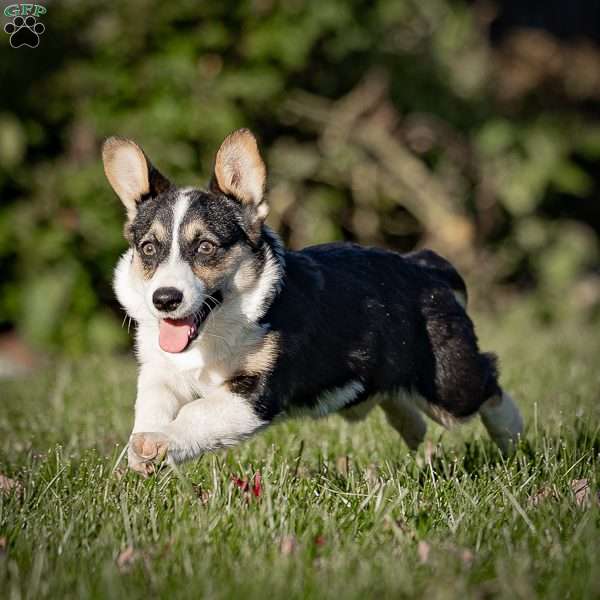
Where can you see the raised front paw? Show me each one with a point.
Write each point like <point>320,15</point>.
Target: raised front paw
<point>147,450</point>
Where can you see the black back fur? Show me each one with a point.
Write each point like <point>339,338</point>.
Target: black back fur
<point>348,313</point>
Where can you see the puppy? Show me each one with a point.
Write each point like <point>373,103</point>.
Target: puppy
<point>234,331</point>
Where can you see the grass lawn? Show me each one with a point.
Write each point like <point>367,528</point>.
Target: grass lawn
<point>344,511</point>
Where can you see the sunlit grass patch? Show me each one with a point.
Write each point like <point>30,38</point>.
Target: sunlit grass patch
<point>341,510</point>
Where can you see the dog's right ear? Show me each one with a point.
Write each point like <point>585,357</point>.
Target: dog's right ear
<point>131,174</point>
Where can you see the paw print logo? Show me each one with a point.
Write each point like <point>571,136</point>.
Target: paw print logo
<point>24,31</point>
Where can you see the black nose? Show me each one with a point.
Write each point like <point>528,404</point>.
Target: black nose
<point>167,298</point>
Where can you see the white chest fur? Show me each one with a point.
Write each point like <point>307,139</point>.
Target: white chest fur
<point>210,361</point>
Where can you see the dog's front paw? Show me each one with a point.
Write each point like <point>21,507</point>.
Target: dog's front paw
<point>147,450</point>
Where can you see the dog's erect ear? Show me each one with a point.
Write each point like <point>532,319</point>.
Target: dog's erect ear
<point>240,172</point>
<point>131,174</point>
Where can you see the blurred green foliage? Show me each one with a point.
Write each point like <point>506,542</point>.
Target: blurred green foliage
<point>390,122</point>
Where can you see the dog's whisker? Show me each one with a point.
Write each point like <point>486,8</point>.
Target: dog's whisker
<point>214,298</point>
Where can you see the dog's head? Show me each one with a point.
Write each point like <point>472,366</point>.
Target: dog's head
<point>190,249</point>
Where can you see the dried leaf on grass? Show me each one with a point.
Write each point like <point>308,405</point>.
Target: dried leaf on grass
<point>8,485</point>
<point>583,492</point>
<point>581,489</point>
<point>423,549</point>
<point>546,492</point>
<point>302,472</point>
<point>203,494</point>
<point>372,474</point>
<point>288,545</point>
<point>119,473</point>
<point>126,559</point>
<point>467,556</point>
<point>342,465</point>
<point>399,527</point>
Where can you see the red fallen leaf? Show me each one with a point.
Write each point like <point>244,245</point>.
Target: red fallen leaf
<point>257,487</point>
<point>319,540</point>
<point>244,485</point>
<point>241,483</point>
<point>2,545</point>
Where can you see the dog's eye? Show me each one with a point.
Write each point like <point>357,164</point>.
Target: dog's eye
<point>205,247</point>
<point>149,249</point>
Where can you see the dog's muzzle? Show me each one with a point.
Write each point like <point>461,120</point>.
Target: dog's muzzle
<point>175,335</point>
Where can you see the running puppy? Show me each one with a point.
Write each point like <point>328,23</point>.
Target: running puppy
<point>233,330</point>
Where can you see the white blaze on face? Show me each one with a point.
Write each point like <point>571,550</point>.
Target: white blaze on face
<point>178,327</point>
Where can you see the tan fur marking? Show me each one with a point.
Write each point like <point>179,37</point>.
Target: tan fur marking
<point>248,352</point>
<point>256,364</point>
<point>215,276</point>
<point>159,231</point>
<point>190,230</point>
<point>263,359</point>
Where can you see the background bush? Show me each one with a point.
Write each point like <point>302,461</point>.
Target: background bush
<point>387,122</point>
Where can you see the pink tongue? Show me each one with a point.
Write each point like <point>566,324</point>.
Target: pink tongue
<point>174,334</point>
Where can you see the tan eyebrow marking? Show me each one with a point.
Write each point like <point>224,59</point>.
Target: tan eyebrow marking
<point>159,231</point>
<point>190,230</point>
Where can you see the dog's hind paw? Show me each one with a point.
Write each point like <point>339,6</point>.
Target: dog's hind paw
<point>147,450</point>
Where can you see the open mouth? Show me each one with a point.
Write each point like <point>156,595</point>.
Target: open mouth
<point>175,335</point>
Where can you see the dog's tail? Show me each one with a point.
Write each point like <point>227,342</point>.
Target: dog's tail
<point>441,269</point>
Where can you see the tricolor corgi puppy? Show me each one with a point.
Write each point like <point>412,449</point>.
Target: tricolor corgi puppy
<point>234,331</point>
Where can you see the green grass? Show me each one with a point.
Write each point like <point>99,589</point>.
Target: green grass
<point>345,511</point>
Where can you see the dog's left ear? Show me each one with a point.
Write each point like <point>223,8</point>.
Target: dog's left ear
<point>241,173</point>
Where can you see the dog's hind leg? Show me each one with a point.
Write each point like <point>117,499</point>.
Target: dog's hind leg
<point>503,421</point>
<point>404,416</point>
